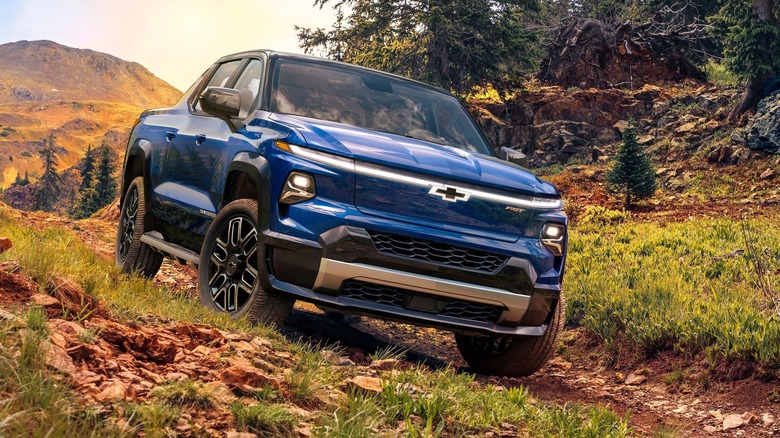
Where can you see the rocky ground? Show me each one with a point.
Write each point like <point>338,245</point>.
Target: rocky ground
<point>668,393</point>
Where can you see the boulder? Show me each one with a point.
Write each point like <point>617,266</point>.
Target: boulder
<point>763,130</point>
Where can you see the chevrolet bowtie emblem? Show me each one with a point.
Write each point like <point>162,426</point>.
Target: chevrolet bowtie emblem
<point>448,193</point>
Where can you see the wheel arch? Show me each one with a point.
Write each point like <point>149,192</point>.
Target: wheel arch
<point>136,164</point>
<point>249,176</point>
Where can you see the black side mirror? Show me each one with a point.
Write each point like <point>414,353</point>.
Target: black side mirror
<point>219,101</point>
<point>513,156</point>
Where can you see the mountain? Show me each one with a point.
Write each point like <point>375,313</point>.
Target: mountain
<point>81,96</point>
<point>46,71</point>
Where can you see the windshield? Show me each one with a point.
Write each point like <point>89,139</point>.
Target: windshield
<point>373,101</point>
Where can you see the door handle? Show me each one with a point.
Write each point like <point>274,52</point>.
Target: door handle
<point>199,139</point>
<point>169,135</point>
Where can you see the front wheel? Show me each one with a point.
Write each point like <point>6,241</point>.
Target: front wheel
<point>513,356</point>
<point>132,255</point>
<point>228,274</point>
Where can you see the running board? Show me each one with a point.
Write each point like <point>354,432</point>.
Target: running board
<point>156,241</point>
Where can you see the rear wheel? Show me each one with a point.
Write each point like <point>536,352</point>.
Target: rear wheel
<point>513,356</point>
<point>133,256</point>
<point>228,274</point>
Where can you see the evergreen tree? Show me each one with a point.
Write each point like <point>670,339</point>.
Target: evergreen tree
<point>632,174</point>
<point>48,189</point>
<point>101,188</point>
<point>458,45</point>
<point>18,180</point>
<point>105,183</point>
<point>751,30</point>
<point>26,179</point>
<point>87,169</point>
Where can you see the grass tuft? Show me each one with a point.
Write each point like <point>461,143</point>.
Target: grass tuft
<point>264,420</point>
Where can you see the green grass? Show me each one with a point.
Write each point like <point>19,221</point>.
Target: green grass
<point>185,393</point>
<point>449,403</point>
<point>55,253</point>
<point>659,287</point>
<point>263,419</point>
<point>155,419</point>
<point>719,75</point>
<point>418,402</point>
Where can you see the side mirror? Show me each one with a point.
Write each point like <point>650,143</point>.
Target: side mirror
<point>219,101</point>
<point>513,156</point>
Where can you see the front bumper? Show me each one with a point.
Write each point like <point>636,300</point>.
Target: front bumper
<point>345,271</point>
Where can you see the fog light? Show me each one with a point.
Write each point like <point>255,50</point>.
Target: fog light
<point>298,187</point>
<point>553,237</point>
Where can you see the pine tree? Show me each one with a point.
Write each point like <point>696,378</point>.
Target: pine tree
<point>18,180</point>
<point>457,44</point>
<point>87,169</point>
<point>48,189</point>
<point>751,40</point>
<point>105,183</point>
<point>101,187</point>
<point>632,174</point>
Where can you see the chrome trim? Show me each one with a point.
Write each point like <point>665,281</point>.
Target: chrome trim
<point>333,273</point>
<point>368,170</point>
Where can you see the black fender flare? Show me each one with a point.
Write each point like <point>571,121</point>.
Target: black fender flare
<point>257,167</point>
<point>139,152</point>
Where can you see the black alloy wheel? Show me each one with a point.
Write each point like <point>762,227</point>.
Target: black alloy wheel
<point>233,264</point>
<point>229,271</point>
<point>132,255</point>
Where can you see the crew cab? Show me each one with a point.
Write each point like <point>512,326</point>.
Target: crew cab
<point>286,177</point>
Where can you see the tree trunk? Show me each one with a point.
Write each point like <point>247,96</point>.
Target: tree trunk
<point>627,205</point>
<point>750,98</point>
<point>752,94</point>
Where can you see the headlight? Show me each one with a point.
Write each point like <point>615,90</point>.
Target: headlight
<point>553,237</point>
<point>317,156</point>
<point>297,188</point>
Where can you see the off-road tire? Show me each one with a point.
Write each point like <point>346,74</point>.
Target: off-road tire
<point>133,256</point>
<point>513,356</point>
<point>229,264</point>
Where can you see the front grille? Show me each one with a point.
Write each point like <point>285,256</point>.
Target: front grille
<point>401,298</point>
<point>438,253</point>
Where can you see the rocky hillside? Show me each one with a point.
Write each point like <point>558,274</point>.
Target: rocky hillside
<point>82,96</point>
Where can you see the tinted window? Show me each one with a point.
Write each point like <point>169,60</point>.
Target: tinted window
<point>374,101</point>
<point>249,81</point>
<point>223,73</point>
<point>220,77</point>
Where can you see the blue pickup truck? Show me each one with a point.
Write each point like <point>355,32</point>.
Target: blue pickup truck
<point>286,177</point>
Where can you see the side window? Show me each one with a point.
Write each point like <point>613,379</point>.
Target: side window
<point>220,77</point>
<point>249,81</point>
<point>223,73</point>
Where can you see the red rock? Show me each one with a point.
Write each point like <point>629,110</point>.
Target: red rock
<point>769,173</point>
<point>57,358</point>
<point>5,244</point>
<point>620,126</point>
<point>86,378</point>
<point>44,300</point>
<point>733,421</point>
<point>175,376</point>
<point>635,379</point>
<point>390,364</point>
<point>365,384</point>
<point>246,379</point>
<point>114,390</point>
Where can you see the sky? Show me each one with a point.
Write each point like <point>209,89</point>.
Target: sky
<point>175,39</point>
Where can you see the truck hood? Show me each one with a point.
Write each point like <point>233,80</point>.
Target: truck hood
<point>417,156</point>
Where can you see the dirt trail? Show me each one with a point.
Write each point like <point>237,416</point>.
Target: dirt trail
<point>654,392</point>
